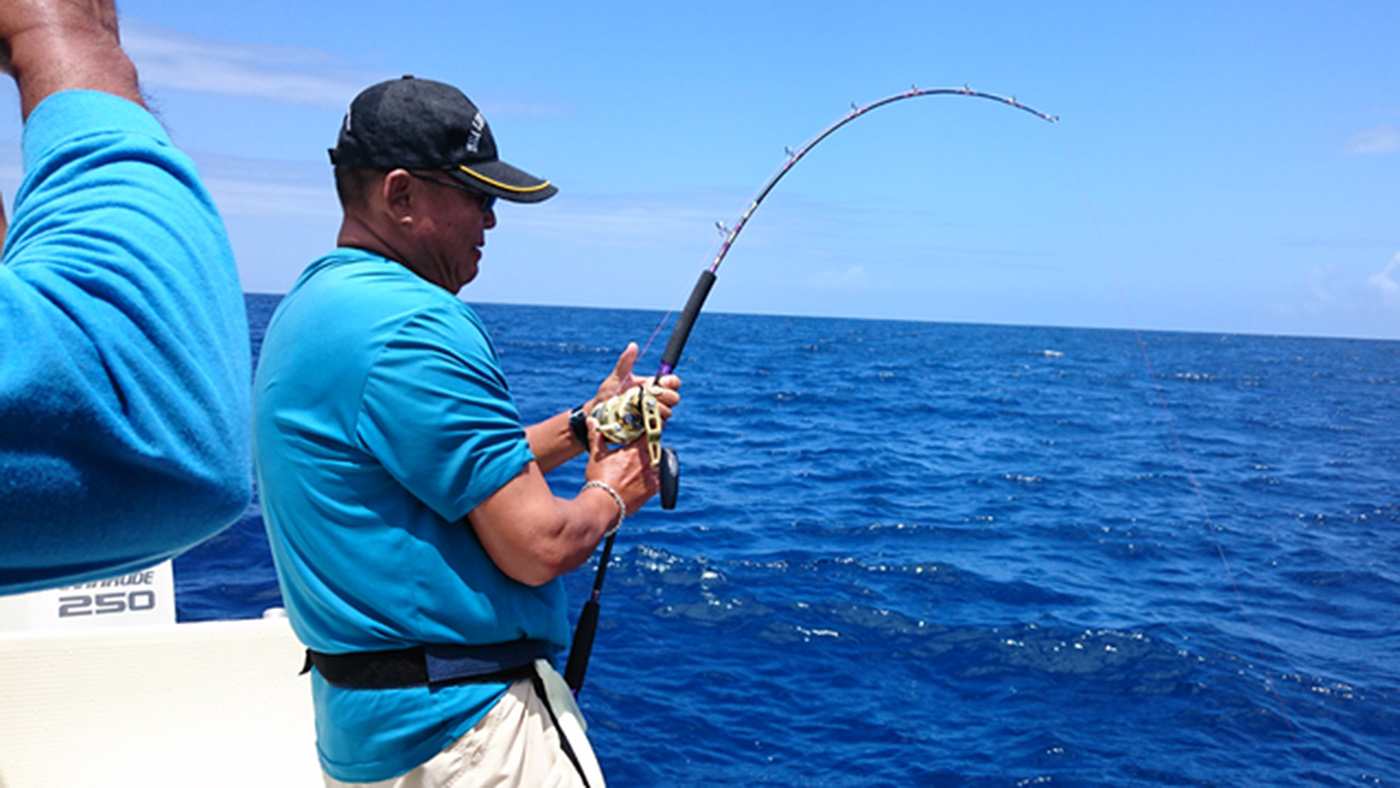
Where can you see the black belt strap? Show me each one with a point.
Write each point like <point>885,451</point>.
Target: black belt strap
<point>564,742</point>
<point>432,665</point>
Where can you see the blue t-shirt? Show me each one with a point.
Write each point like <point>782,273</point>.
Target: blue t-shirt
<point>381,418</point>
<point>124,361</point>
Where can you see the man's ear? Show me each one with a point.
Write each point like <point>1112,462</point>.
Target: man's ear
<point>399,194</point>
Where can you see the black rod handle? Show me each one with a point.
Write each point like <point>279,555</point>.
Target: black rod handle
<point>582,648</point>
<point>672,356</point>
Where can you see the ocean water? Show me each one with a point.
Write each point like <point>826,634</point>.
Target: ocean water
<point>966,555</point>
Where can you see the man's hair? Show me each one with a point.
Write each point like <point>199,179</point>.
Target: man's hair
<point>352,185</point>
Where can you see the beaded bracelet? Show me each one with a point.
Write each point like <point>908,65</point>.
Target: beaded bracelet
<point>621,506</point>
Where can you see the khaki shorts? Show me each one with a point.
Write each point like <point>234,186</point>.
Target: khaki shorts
<point>517,743</point>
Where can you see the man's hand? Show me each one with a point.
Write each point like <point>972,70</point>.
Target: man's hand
<point>621,380</point>
<point>50,46</point>
<point>627,469</point>
<point>552,440</point>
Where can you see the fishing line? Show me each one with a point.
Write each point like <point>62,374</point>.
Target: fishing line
<point>676,304</point>
<point>1196,488</point>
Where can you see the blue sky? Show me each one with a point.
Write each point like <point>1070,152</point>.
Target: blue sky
<point>1231,166</point>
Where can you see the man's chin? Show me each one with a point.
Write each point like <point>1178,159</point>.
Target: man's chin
<point>468,276</point>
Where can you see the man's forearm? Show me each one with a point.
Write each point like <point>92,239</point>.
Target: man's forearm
<point>553,442</point>
<point>56,45</point>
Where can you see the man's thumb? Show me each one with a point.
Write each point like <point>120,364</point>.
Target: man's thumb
<point>623,370</point>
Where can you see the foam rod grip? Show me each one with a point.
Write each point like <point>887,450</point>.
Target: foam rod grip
<point>681,332</point>
<point>582,647</point>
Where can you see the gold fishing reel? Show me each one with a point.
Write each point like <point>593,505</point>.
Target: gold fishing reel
<point>629,416</point>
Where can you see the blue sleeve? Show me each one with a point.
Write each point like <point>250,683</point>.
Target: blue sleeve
<point>438,416</point>
<point>124,370</point>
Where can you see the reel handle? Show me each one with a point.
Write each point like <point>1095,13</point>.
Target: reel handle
<point>670,470</point>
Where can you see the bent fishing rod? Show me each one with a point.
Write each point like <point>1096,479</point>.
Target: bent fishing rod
<point>628,416</point>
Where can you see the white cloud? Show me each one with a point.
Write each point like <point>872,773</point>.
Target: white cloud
<point>1323,283</point>
<point>272,200</point>
<point>269,190</point>
<point>637,222</point>
<point>289,75</point>
<point>1387,282</point>
<point>1381,139</point>
<point>853,278</point>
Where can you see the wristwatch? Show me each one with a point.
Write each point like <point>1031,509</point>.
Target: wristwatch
<point>578,423</point>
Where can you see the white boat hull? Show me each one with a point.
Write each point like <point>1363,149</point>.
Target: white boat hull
<point>207,704</point>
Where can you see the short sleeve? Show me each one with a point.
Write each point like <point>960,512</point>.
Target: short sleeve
<point>436,412</point>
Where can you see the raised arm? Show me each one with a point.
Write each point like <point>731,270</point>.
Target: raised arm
<point>50,46</point>
<point>124,374</point>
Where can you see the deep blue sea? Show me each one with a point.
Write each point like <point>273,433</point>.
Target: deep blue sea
<point>967,555</point>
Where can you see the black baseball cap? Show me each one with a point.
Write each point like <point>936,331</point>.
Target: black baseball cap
<point>422,124</point>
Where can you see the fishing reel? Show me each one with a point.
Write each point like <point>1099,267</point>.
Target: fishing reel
<point>632,414</point>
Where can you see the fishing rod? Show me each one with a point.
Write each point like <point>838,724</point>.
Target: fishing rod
<point>628,416</point>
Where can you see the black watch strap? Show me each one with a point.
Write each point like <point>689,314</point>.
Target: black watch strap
<point>578,423</point>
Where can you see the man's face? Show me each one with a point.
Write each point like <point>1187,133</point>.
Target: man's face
<point>452,231</point>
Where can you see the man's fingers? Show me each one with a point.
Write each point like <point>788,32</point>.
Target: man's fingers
<point>623,370</point>
<point>597,444</point>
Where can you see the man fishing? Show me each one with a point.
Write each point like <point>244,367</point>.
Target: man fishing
<point>418,545</point>
<point>124,365</point>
